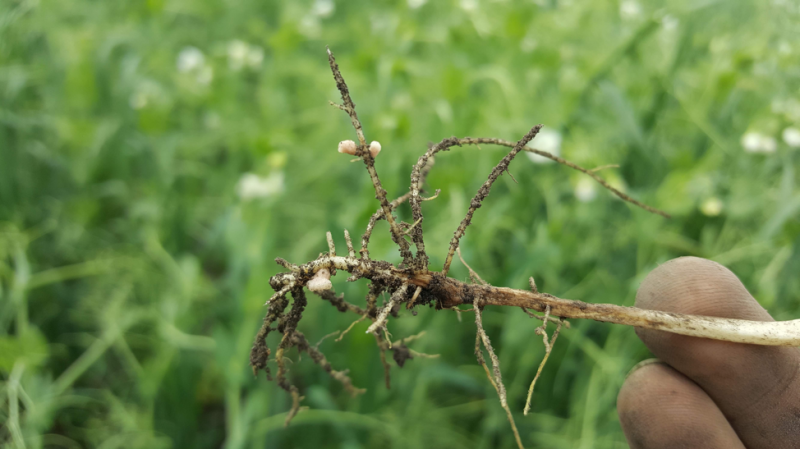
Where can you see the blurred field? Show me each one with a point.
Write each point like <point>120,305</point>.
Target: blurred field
<point>156,156</point>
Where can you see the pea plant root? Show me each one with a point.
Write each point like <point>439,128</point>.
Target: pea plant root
<point>412,283</point>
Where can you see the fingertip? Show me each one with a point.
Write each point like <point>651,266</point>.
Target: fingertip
<point>698,286</point>
<point>652,385</point>
<point>694,286</point>
<point>659,407</point>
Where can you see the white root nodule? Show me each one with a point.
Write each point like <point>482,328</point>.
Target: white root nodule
<point>374,148</point>
<point>347,147</point>
<point>321,281</point>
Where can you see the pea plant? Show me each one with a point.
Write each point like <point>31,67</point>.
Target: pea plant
<point>412,281</point>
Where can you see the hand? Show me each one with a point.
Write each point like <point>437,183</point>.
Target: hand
<point>705,393</point>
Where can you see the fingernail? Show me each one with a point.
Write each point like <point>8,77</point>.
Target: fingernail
<point>642,364</point>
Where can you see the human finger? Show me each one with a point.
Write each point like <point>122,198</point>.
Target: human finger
<point>757,388</point>
<point>660,408</point>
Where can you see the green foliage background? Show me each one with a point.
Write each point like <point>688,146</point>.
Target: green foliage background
<point>133,275</point>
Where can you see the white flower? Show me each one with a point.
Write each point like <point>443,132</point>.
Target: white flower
<point>309,26</point>
<point>547,140</point>
<point>469,5</point>
<point>789,107</point>
<point>241,54</point>
<point>255,55</point>
<point>669,22</point>
<point>252,186</point>
<point>323,8</point>
<point>791,136</point>
<point>629,9</point>
<point>585,190</point>
<point>711,207</point>
<point>190,59</point>
<point>237,53</point>
<point>769,145</point>
<point>754,142</point>
<point>751,142</point>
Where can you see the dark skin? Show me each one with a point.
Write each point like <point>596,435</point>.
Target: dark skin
<point>703,393</point>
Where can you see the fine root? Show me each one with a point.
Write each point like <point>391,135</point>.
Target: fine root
<point>483,192</point>
<point>498,377</point>
<point>382,348</point>
<point>548,347</point>
<point>350,327</point>
<point>476,278</point>
<point>319,358</point>
<point>395,299</point>
<point>296,398</point>
<point>374,219</point>
<point>350,250</point>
